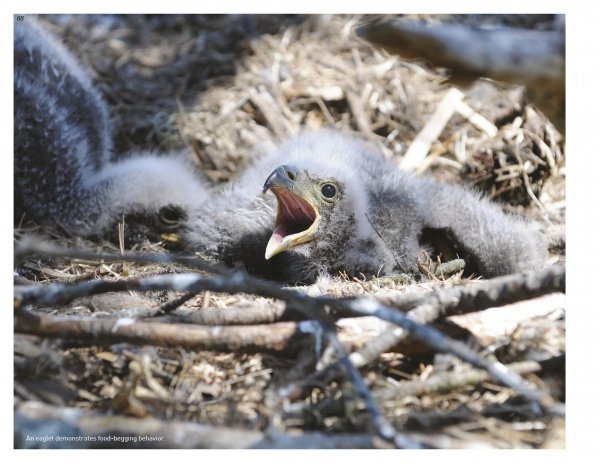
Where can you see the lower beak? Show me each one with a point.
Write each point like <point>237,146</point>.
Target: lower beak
<point>278,244</point>
<point>170,237</point>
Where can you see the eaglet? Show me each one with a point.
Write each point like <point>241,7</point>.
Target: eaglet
<point>331,203</point>
<point>64,169</point>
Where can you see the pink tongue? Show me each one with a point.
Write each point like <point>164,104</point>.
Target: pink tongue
<point>277,237</point>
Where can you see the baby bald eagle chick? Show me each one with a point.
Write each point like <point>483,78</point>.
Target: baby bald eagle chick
<point>63,169</point>
<point>338,205</point>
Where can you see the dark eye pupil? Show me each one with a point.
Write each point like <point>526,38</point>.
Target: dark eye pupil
<point>171,215</point>
<point>328,191</point>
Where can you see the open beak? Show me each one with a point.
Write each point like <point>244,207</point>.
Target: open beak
<point>297,218</point>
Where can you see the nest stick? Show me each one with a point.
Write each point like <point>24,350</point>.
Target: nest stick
<point>421,145</point>
<point>447,381</point>
<point>276,337</point>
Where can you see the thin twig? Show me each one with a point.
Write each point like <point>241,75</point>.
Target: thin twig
<point>417,151</point>
<point>356,106</point>
<point>385,243</point>
<point>173,304</point>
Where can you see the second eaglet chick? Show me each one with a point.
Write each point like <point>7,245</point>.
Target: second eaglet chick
<point>332,203</point>
<point>64,169</point>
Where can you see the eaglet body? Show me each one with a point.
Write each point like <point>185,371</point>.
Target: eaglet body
<point>373,224</point>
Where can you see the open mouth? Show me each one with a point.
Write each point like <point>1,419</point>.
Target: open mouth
<point>295,223</point>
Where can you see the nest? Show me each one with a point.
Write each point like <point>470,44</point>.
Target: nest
<point>225,88</point>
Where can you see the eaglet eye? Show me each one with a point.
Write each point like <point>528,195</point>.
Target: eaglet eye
<point>328,190</point>
<point>171,216</point>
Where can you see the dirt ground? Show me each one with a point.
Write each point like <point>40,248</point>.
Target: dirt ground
<point>223,88</point>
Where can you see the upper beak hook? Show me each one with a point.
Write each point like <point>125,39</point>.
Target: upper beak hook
<point>282,177</point>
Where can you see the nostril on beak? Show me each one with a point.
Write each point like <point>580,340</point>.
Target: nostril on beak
<point>291,172</point>
<point>282,177</point>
